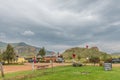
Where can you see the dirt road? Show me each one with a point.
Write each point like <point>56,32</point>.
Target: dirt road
<point>28,66</point>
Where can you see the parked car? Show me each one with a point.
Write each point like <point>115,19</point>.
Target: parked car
<point>31,61</point>
<point>116,60</point>
<point>2,63</point>
<point>60,60</point>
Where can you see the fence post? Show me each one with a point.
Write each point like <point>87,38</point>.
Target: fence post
<point>1,69</point>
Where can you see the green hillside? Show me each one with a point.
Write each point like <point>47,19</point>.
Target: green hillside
<point>3,45</point>
<point>115,55</point>
<point>84,53</point>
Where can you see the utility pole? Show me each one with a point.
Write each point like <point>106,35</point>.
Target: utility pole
<point>52,61</point>
<point>1,69</point>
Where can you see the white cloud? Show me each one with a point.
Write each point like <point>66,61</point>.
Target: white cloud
<point>60,48</point>
<point>28,33</point>
<point>109,47</point>
<point>2,36</point>
<point>61,24</point>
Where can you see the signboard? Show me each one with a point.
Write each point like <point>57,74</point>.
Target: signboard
<point>34,59</point>
<point>73,55</point>
<point>107,66</point>
<point>86,46</point>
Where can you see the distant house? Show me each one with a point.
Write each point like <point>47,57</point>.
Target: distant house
<point>48,58</point>
<point>51,56</point>
<point>21,60</point>
<point>54,58</point>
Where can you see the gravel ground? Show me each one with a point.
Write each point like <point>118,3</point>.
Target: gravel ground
<point>28,66</point>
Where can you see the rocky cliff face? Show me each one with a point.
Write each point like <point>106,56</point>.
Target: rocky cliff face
<point>22,49</point>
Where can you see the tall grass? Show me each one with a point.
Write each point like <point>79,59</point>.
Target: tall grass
<point>67,73</point>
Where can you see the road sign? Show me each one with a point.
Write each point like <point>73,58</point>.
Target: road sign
<point>73,55</point>
<point>86,46</point>
<point>107,66</point>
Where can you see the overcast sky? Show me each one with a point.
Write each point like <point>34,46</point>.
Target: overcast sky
<point>61,24</point>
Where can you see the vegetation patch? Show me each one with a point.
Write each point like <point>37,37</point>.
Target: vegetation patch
<point>67,73</point>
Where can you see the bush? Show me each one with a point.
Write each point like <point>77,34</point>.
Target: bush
<point>76,64</point>
<point>101,63</point>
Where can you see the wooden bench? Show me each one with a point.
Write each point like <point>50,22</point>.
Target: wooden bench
<point>41,66</point>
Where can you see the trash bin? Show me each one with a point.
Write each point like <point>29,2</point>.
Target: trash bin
<point>107,66</point>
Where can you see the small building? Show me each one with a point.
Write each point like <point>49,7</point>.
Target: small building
<point>21,60</point>
<point>48,58</point>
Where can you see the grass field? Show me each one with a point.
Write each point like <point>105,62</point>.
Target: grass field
<point>67,73</point>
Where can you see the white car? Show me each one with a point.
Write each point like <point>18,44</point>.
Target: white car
<point>60,60</point>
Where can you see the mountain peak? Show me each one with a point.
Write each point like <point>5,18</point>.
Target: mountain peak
<point>23,49</point>
<point>2,44</point>
<point>22,44</point>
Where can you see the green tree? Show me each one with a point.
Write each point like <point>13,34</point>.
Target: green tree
<point>9,55</point>
<point>0,56</point>
<point>79,57</point>
<point>106,57</point>
<point>94,59</point>
<point>42,52</point>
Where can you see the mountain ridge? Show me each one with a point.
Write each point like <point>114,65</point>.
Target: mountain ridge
<point>23,49</point>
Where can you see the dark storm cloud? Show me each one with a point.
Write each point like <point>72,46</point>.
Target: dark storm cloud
<point>61,24</point>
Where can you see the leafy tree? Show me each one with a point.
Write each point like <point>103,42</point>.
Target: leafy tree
<point>42,52</point>
<point>9,55</point>
<point>0,56</point>
<point>94,59</point>
<point>79,57</point>
<point>106,58</point>
<point>119,58</point>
